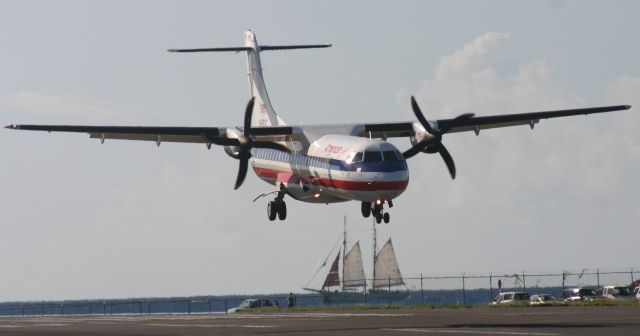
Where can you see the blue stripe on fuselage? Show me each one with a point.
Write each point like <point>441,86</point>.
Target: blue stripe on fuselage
<point>334,164</point>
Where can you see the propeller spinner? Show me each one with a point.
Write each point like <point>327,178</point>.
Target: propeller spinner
<point>434,145</point>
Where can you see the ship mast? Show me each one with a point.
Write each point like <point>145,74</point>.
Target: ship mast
<point>344,246</point>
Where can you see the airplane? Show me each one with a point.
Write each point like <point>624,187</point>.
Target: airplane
<point>319,163</point>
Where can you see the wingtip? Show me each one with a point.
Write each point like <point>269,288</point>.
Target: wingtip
<point>626,107</point>
<point>12,126</point>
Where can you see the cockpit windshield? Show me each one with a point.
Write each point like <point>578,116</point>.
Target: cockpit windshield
<point>372,156</point>
<point>390,156</point>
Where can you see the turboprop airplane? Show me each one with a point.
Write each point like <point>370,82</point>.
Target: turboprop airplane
<point>319,163</point>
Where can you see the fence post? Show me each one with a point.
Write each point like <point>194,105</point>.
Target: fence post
<point>490,287</point>
<point>189,307</point>
<point>598,276</point>
<point>421,289</point>
<point>524,282</point>
<point>564,277</point>
<point>209,301</point>
<point>22,309</point>
<point>631,276</point>
<point>464,293</point>
<point>62,309</point>
<point>225,306</point>
<point>104,308</point>
<point>139,307</point>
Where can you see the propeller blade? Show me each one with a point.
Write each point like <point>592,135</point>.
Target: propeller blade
<point>455,122</point>
<point>271,145</point>
<point>242,169</point>
<point>420,116</point>
<point>247,116</point>
<point>415,149</point>
<point>448,160</point>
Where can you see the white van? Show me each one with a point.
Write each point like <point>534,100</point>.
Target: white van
<point>511,298</point>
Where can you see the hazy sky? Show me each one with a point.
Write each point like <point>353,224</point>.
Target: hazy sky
<point>84,220</point>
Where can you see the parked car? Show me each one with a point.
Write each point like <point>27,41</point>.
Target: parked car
<point>255,303</point>
<point>617,293</point>
<point>579,294</point>
<point>636,291</point>
<point>542,298</point>
<point>511,298</point>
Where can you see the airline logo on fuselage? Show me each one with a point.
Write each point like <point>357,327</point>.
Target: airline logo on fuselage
<point>334,149</point>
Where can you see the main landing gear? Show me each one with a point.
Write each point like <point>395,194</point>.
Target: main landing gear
<point>377,210</point>
<point>277,208</point>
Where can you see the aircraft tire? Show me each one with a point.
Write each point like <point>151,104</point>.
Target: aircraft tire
<point>272,210</point>
<point>386,218</point>
<point>282,210</point>
<point>366,209</point>
<point>378,219</point>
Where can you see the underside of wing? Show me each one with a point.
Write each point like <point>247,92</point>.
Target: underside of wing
<point>143,133</point>
<point>159,134</point>
<point>407,129</point>
<point>485,122</point>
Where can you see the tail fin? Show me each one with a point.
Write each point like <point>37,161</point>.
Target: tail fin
<point>263,112</point>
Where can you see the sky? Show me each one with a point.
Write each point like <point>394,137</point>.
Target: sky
<point>129,219</point>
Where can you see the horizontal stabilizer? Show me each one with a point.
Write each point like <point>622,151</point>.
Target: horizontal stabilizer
<point>294,46</point>
<point>236,49</point>
<point>262,48</point>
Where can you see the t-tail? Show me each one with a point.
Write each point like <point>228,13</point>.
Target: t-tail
<point>263,113</point>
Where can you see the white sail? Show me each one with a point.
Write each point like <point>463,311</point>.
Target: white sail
<point>386,268</point>
<point>353,268</point>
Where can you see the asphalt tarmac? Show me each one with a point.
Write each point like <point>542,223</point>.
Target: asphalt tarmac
<point>522,321</point>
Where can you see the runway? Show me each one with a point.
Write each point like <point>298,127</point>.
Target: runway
<point>525,321</point>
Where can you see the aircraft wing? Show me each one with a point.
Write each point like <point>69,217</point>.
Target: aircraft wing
<point>477,123</point>
<point>206,135</point>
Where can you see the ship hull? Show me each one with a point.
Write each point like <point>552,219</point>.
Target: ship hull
<point>371,297</point>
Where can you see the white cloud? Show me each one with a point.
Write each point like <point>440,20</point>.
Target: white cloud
<point>563,177</point>
<point>459,62</point>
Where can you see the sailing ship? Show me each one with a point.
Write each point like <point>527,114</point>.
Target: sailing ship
<point>353,286</point>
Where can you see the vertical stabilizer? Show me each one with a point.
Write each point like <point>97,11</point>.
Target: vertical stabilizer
<point>263,113</point>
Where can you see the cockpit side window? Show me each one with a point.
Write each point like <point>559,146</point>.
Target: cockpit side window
<point>390,156</point>
<point>357,157</point>
<point>372,156</point>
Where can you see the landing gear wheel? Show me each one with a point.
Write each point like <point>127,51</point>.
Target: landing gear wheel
<point>282,210</point>
<point>386,218</point>
<point>365,207</point>
<point>378,219</point>
<point>272,209</point>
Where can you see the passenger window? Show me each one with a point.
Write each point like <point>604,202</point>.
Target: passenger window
<point>373,156</point>
<point>390,156</point>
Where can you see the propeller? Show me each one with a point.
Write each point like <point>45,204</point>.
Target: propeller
<point>245,142</point>
<point>434,145</point>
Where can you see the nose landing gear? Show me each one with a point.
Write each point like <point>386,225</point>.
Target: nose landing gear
<point>377,210</point>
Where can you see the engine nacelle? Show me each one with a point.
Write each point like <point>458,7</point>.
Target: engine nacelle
<point>420,133</point>
<point>233,151</point>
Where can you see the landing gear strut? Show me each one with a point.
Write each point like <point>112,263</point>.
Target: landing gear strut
<point>377,210</point>
<point>277,208</point>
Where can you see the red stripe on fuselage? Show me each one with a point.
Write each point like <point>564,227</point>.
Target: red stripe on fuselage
<point>338,184</point>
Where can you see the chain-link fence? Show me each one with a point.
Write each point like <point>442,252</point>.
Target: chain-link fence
<point>423,289</point>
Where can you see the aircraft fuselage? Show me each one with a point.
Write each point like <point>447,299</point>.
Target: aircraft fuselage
<point>336,168</point>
